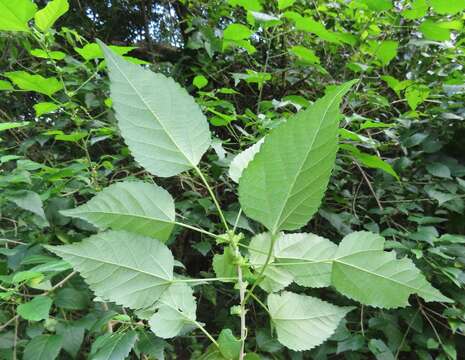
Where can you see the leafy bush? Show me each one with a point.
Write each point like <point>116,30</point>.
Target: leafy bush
<point>217,250</point>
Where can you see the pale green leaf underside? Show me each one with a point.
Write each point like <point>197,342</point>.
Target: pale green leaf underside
<point>175,312</point>
<point>122,267</point>
<point>303,258</point>
<point>161,123</point>
<point>358,268</point>
<point>283,185</point>
<point>137,207</point>
<point>366,273</point>
<point>241,160</point>
<point>303,322</point>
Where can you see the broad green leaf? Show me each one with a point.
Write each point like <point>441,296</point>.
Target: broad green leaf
<point>229,345</point>
<point>94,51</point>
<point>303,322</point>
<point>418,9</point>
<point>236,32</point>
<point>160,122</point>
<point>200,81</point>
<point>301,257</point>
<point>55,55</point>
<point>448,7</point>
<point>396,85</point>
<point>306,55</point>
<point>283,4</point>
<point>116,346</point>
<point>283,185</point>
<point>5,85</point>
<point>275,277</point>
<point>128,269</point>
<point>438,169</point>
<point>28,200</point>
<point>138,207</point>
<point>416,95</point>
<point>16,14</point>
<point>37,83</point>
<point>377,5</point>
<point>364,272</point>
<point>307,257</point>
<point>371,161</point>
<point>175,312</point>
<point>439,31</point>
<point>384,51</point>
<point>45,108</point>
<point>43,347</point>
<point>46,17</point>
<point>223,264</point>
<point>72,334</point>
<point>250,5</point>
<point>12,125</point>
<point>241,160</point>
<point>35,310</point>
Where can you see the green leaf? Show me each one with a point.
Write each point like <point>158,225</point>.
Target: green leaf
<point>37,83</point>
<point>303,322</point>
<point>45,108</point>
<point>230,346</point>
<point>12,125</point>
<point>241,160</point>
<point>305,54</point>
<point>250,5</point>
<point>200,81</point>
<point>283,4</point>
<point>384,51</point>
<point>55,55</point>
<point>5,85</point>
<point>35,310</point>
<point>275,277</point>
<point>160,122</point>
<point>439,170</point>
<point>283,185</point>
<point>439,31</point>
<point>46,17</point>
<point>371,161</point>
<point>416,95</point>
<point>16,14</point>
<point>93,51</point>
<point>302,257</point>
<point>364,272</point>
<point>377,5</point>
<point>307,257</point>
<point>116,346</point>
<point>396,85</point>
<point>418,9</point>
<point>128,269</point>
<point>72,334</point>
<point>138,207</point>
<point>175,312</point>
<point>447,7</point>
<point>28,200</point>
<point>236,32</point>
<point>223,264</point>
<point>43,347</point>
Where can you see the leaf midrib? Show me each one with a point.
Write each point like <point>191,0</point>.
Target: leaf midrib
<point>275,228</point>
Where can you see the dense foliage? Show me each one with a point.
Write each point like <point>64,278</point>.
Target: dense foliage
<point>309,204</point>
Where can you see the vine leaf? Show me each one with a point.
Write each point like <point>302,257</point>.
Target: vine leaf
<point>161,123</point>
<point>46,17</point>
<point>364,272</point>
<point>128,269</point>
<point>16,14</point>
<point>283,185</point>
<point>137,207</point>
<point>175,312</point>
<point>303,322</point>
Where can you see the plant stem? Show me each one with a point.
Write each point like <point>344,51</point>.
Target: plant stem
<point>212,194</point>
<point>207,334</point>
<point>262,271</point>
<point>242,288</point>
<point>187,226</point>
